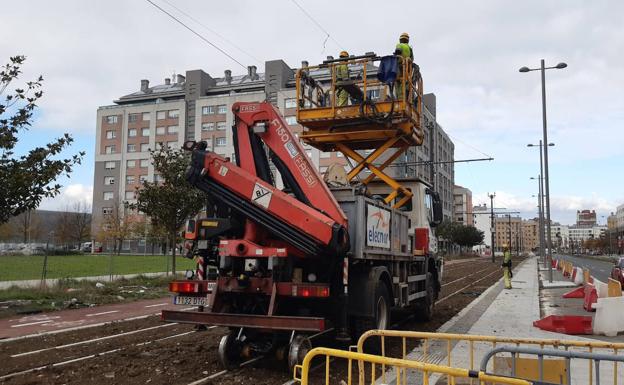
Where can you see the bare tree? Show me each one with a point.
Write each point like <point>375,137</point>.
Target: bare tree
<point>117,226</point>
<point>74,224</point>
<point>29,225</point>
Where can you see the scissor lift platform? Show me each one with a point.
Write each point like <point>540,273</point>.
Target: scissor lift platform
<point>376,118</point>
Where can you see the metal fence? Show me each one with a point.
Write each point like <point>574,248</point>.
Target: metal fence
<point>23,264</point>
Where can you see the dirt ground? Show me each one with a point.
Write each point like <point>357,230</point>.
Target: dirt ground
<point>151,357</point>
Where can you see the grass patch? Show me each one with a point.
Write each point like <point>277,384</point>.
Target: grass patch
<point>21,267</point>
<point>70,293</point>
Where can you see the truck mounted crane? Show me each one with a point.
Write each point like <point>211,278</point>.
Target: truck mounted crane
<point>284,257</point>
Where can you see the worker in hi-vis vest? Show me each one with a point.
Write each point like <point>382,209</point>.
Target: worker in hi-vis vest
<point>507,274</point>
<point>342,74</point>
<point>404,50</point>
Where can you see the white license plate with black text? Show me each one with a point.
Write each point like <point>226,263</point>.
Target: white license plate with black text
<point>191,301</point>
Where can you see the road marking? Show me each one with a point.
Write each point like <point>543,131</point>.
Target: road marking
<point>31,323</point>
<point>102,313</point>
<point>158,304</point>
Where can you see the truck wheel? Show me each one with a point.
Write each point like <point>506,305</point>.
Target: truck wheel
<point>299,347</point>
<point>380,320</point>
<point>425,307</point>
<point>229,351</point>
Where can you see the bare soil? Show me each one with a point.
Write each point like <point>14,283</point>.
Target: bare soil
<point>186,358</point>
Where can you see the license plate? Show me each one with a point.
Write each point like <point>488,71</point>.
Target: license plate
<point>193,301</point>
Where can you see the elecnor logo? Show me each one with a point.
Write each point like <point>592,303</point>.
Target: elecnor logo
<point>377,227</point>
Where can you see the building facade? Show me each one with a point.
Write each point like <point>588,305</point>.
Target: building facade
<point>481,219</point>
<point>197,106</point>
<point>508,231</point>
<point>462,206</point>
<point>586,218</point>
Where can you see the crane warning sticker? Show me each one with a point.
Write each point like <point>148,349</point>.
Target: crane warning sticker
<point>261,196</point>
<point>377,227</point>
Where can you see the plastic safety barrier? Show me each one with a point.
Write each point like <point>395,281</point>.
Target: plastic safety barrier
<point>439,347</point>
<point>368,366</point>
<point>567,324</point>
<point>591,296</point>
<point>614,288</point>
<point>609,319</point>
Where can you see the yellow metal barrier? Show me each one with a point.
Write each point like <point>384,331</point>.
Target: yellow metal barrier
<point>369,366</point>
<point>474,346</point>
<point>614,288</point>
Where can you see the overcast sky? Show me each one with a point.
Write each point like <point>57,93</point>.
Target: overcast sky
<point>91,52</point>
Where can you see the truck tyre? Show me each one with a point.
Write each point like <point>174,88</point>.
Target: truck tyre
<point>425,306</point>
<point>229,351</point>
<point>380,319</point>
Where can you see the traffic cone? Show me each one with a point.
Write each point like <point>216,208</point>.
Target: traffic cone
<point>568,324</point>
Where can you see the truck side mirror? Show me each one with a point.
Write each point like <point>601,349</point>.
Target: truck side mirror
<point>437,208</point>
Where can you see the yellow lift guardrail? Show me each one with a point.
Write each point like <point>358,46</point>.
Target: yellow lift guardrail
<point>384,118</point>
<point>450,340</point>
<point>301,372</point>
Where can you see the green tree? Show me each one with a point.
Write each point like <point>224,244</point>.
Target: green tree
<point>171,200</point>
<point>467,236</point>
<point>25,180</point>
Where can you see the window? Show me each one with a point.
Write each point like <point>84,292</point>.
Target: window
<point>109,165</point>
<point>109,149</point>
<point>208,110</point>
<point>129,179</point>
<point>160,130</point>
<point>160,115</point>
<point>145,131</point>
<point>220,126</point>
<point>339,154</point>
<point>131,148</point>
<point>142,178</point>
<point>173,114</point>
<point>109,180</point>
<point>130,163</point>
<point>291,120</point>
<point>107,210</point>
<point>144,163</point>
<point>144,147</point>
<point>290,103</point>
<point>220,142</point>
<point>207,126</point>
<point>173,144</point>
<point>372,94</point>
<point>133,117</point>
<point>172,130</point>
<point>108,195</point>
<point>132,132</point>
<point>130,195</point>
<point>221,109</point>
<point>158,178</point>
<point>111,119</point>
<point>146,116</point>
<point>324,154</point>
<point>111,134</point>
<point>323,169</point>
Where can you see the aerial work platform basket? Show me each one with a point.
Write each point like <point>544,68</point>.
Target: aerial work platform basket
<point>381,115</point>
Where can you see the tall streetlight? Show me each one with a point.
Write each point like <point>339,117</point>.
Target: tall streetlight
<point>543,69</point>
<point>540,210</point>
<point>492,229</point>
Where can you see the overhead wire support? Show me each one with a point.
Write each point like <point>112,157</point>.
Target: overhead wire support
<point>196,33</point>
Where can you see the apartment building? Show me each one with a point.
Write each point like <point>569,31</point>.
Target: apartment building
<point>586,218</point>
<point>197,106</point>
<point>462,205</point>
<point>530,235</point>
<point>508,231</point>
<point>481,219</point>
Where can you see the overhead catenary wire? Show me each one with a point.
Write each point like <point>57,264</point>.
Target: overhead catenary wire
<point>327,34</point>
<point>197,33</point>
<point>225,39</point>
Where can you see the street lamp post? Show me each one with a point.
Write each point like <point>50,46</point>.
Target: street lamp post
<point>543,69</point>
<point>541,199</point>
<point>492,229</point>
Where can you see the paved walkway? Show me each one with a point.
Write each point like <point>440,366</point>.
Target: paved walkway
<point>80,318</point>
<point>505,313</point>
